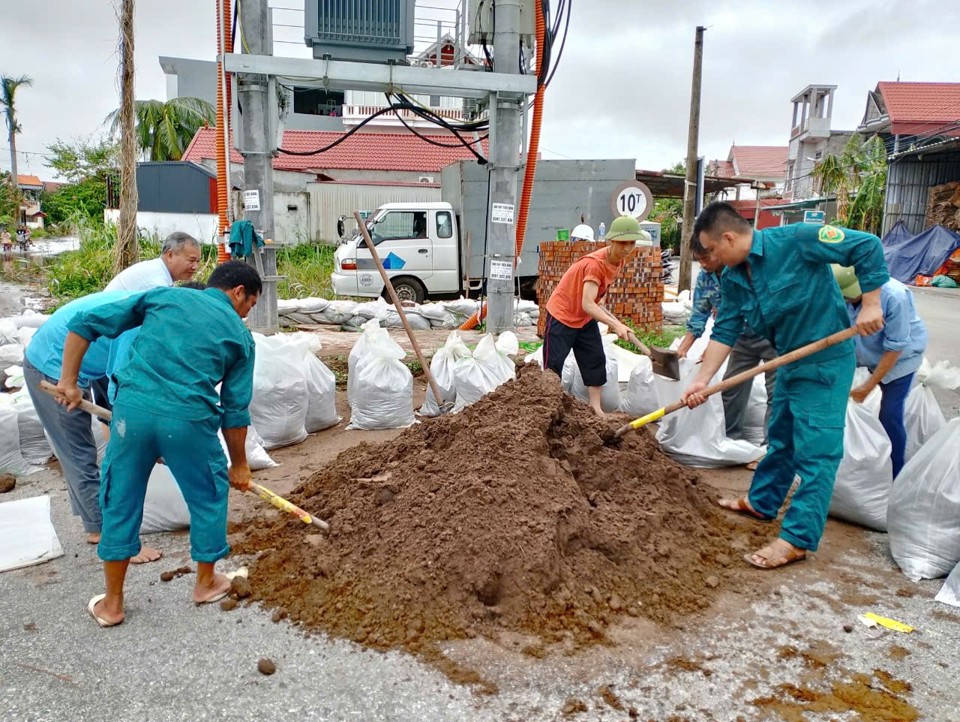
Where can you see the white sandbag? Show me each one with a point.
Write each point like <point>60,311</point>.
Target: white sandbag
<point>941,376</point>
<point>8,331</point>
<point>950,591</point>
<point>610,394</point>
<point>164,508</point>
<point>872,402</point>
<point>699,346</point>
<point>27,536</point>
<point>922,417</point>
<point>863,481</point>
<point>25,335</point>
<point>322,395</point>
<point>288,305</point>
<point>925,506</point>
<point>389,318</point>
<point>29,319</point>
<point>463,307</point>
<point>675,313</point>
<point>371,309</point>
<point>522,320</point>
<point>697,437</point>
<point>447,321</point>
<point>522,305</point>
<point>627,361</point>
<point>640,397</point>
<point>33,442</point>
<point>14,376</point>
<point>485,369</point>
<point>257,456</point>
<point>433,311</point>
<point>279,405</point>
<point>369,331</point>
<point>313,305</point>
<point>442,367</point>
<point>11,458</point>
<point>382,395</point>
<point>339,312</point>
<point>11,354</point>
<point>755,416</point>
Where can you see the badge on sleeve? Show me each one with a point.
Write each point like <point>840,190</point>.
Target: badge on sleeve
<point>830,234</point>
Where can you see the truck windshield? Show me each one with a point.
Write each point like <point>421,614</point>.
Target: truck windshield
<point>397,225</point>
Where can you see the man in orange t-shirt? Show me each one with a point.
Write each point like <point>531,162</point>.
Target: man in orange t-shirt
<point>574,309</point>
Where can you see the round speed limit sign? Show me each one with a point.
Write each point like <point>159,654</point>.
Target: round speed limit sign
<point>632,199</point>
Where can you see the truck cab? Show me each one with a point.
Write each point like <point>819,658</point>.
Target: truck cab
<point>419,245</point>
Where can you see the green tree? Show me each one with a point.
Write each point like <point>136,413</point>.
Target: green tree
<point>8,98</point>
<point>88,165</point>
<point>858,178</point>
<point>81,159</point>
<point>9,203</point>
<point>165,129</point>
<point>668,212</point>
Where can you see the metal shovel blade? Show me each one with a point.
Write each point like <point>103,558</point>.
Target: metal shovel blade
<point>665,362</point>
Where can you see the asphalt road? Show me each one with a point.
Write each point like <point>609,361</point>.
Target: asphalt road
<point>940,310</point>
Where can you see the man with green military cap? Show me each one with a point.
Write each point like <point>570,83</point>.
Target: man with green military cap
<point>892,355</point>
<point>779,282</point>
<point>574,311</point>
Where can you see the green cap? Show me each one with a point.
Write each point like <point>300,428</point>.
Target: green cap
<point>847,280</point>
<point>626,228</point>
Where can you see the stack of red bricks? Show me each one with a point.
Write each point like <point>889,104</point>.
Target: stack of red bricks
<point>635,296</point>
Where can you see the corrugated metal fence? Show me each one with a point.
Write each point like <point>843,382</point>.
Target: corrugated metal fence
<point>329,201</point>
<point>908,180</point>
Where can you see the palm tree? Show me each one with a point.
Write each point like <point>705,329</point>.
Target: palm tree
<point>8,95</point>
<point>165,129</point>
<point>128,249</point>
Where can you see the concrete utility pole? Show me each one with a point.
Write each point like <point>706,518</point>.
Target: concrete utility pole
<point>504,166</point>
<point>689,189</point>
<point>252,94</point>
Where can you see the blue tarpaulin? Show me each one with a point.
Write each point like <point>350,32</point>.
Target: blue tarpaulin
<point>909,256</point>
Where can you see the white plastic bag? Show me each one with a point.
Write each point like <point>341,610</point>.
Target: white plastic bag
<point>257,456</point>
<point>164,508</point>
<point>922,417</point>
<point>339,312</point>
<point>950,591</point>
<point>382,396</point>
<point>640,398</point>
<point>33,442</point>
<point>872,402</point>
<point>8,331</point>
<point>11,354</point>
<point>14,376</point>
<point>697,437</point>
<point>924,509</point>
<point>11,459</point>
<point>442,367</point>
<point>463,307</point>
<point>865,474</point>
<point>485,369</point>
<point>279,405</point>
<point>322,390</point>
<point>755,418</point>
<point>610,394</point>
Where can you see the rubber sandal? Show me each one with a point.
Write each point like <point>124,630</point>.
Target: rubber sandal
<point>740,506</point>
<point>784,561</point>
<point>100,620</point>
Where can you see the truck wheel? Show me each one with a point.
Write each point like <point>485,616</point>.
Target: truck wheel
<point>408,289</point>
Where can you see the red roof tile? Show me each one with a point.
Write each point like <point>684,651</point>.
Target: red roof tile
<point>29,180</point>
<point>362,151</point>
<point>759,161</point>
<point>721,169</point>
<point>922,108</point>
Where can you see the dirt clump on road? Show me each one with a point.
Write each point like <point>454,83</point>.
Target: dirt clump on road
<point>512,515</point>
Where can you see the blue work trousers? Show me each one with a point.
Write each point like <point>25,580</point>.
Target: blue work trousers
<point>893,398</point>
<point>193,453</point>
<point>805,440</point>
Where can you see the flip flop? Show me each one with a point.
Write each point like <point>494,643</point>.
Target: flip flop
<point>741,507</point>
<point>146,561</point>
<point>100,620</point>
<point>241,572</point>
<point>217,598</point>
<point>791,557</point>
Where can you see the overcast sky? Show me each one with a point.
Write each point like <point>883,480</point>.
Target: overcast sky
<point>622,89</point>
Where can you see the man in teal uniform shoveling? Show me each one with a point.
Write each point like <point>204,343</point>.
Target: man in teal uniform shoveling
<point>779,282</point>
<point>168,405</point>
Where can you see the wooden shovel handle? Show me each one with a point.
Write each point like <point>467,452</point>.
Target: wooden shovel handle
<point>733,381</point>
<point>399,306</point>
<point>85,405</point>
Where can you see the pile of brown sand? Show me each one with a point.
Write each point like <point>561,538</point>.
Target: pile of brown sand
<point>512,515</point>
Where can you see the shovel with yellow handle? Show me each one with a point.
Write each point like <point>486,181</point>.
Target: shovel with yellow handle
<point>261,491</point>
<point>733,381</point>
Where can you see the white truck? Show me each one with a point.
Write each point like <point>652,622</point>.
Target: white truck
<point>437,249</point>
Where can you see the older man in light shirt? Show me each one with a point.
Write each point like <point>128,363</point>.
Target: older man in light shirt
<point>179,260</point>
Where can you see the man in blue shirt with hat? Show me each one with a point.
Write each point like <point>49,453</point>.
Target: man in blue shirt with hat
<point>779,282</point>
